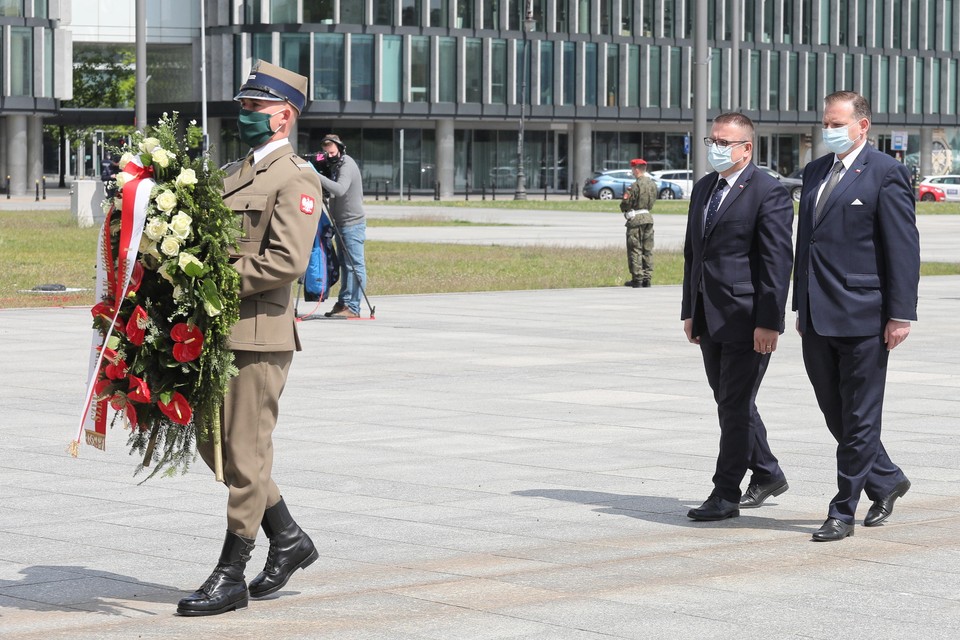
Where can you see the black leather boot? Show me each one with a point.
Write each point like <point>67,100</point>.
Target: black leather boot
<point>225,589</point>
<point>290,549</point>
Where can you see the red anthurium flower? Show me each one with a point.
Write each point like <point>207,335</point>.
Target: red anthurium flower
<point>139,391</point>
<point>131,412</point>
<point>116,369</point>
<point>178,409</point>
<point>137,325</point>
<point>189,342</point>
<point>101,386</point>
<point>103,310</point>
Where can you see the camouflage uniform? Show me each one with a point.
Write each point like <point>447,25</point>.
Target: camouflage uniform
<point>640,195</point>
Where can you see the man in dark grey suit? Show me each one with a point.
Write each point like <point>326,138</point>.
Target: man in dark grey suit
<point>855,293</point>
<point>736,273</point>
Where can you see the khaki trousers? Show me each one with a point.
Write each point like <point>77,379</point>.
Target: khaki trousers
<point>249,416</point>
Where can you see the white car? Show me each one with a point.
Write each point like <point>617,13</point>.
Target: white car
<point>680,177</point>
<point>931,186</point>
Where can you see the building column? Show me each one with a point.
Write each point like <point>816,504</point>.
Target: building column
<point>446,157</point>
<point>3,153</point>
<point>819,149</point>
<point>34,151</point>
<point>581,153</point>
<point>926,151</point>
<point>16,154</point>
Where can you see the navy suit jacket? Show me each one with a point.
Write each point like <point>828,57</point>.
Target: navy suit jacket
<point>744,261</point>
<point>859,265</point>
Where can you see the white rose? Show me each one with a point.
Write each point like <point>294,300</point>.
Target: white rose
<point>149,144</point>
<point>170,246</point>
<point>186,259</point>
<point>156,228</point>
<point>166,201</point>
<point>146,244</point>
<point>186,178</point>
<point>161,157</point>
<point>122,179</point>
<point>180,225</point>
<point>125,159</point>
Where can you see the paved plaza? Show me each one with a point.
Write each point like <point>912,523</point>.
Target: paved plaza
<point>511,465</point>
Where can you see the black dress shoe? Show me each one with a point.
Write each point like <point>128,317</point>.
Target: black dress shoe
<point>715,508</point>
<point>757,493</point>
<point>833,530</point>
<point>881,509</point>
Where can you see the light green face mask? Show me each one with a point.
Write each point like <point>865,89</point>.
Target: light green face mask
<point>254,127</point>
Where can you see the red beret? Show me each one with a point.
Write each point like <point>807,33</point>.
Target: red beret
<point>637,162</point>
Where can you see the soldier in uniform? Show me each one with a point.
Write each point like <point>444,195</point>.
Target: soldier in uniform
<point>636,206</point>
<point>277,195</point>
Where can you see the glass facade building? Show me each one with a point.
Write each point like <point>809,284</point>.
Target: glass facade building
<point>434,89</point>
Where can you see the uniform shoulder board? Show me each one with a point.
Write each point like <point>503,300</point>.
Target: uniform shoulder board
<point>227,166</point>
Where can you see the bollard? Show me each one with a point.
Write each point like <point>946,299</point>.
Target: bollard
<point>544,190</point>
<point>43,181</point>
<point>493,191</point>
<point>483,192</point>
<point>8,187</point>
<point>376,190</point>
<point>409,192</point>
<point>386,190</point>
<point>467,192</point>
<point>37,188</point>
<point>436,190</point>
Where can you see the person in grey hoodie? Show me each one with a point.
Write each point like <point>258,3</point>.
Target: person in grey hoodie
<point>340,177</point>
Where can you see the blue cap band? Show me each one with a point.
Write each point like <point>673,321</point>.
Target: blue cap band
<point>277,87</point>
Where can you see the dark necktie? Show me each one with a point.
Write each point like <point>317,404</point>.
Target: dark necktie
<point>831,183</point>
<point>714,205</point>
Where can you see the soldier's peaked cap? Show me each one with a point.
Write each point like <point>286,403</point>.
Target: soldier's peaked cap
<point>270,82</point>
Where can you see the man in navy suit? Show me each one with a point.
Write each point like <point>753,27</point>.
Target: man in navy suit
<point>736,273</point>
<point>855,293</point>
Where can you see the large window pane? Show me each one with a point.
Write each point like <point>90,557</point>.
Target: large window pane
<point>491,15</point>
<point>676,77</point>
<point>328,66</point>
<point>716,79</point>
<point>563,16</point>
<point>626,17</point>
<point>361,67</point>
<point>382,11</point>
<point>295,52</point>
<point>251,11</point>
<point>439,13</point>
<point>419,68</point>
<point>613,75</point>
<point>261,47</point>
<point>283,11</point>
<point>498,70</point>
<point>653,77</point>
<point>787,22</point>
<point>41,9</point>
<point>569,73</point>
<point>590,74</point>
<point>546,72</point>
<point>21,61</point>
<point>351,12</point>
<point>448,69</point>
<point>633,75</point>
<point>319,11</point>
<point>583,16</point>
<point>473,70</point>
<point>749,20</point>
<point>882,103</point>
<point>410,12</point>
<point>47,62</point>
<point>391,69</point>
<point>464,14</point>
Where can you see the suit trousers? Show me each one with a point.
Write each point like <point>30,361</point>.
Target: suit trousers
<point>249,416</point>
<point>735,371</point>
<point>848,377</point>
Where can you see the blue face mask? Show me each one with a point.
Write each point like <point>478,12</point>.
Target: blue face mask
<point>721,158</point>
<point>838,139</point>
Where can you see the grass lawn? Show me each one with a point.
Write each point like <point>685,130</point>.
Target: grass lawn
<point>46,247</point>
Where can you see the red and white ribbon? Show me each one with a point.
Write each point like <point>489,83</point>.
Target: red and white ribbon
<point>113,282</point>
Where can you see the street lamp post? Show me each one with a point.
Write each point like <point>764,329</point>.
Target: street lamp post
<point>528,25</point>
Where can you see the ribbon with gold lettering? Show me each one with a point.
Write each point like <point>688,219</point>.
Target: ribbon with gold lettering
<point>113,282</point>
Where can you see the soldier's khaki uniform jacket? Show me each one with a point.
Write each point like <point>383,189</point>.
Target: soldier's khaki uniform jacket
<point>642,194</point>
<point>279,202</point>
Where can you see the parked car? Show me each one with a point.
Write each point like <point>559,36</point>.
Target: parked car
<point>793,185</point>
<point>939,188</point>
<point>610,185</point>
<point>681,177</point>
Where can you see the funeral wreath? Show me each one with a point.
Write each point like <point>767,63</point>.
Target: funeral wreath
<point>167,299</point>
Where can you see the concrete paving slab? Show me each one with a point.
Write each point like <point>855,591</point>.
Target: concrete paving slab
<point>471,475</point>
